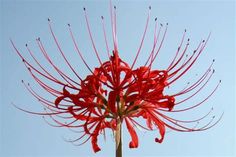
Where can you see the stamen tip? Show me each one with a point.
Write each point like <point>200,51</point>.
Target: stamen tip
<point>213,60</point>
<point>213,70</point>
<point>203,41</point>
<point>188,39</point>
<point>22,81</point>
<point>68,24</point>
<point>84,8</point>
<point>102,17</point>
<point>26,45</point>
<point>156,19</point>
<point>150,7</point>
<point>161,24</point>
<point>167,23</point>
<point>49,20</point>
<point>114,7</point>
<point>185,30</point>
<point>220,81</point>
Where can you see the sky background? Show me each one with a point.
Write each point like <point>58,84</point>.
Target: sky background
<point>24,135</point>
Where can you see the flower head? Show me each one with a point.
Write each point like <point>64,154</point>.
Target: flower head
<point>116,92</point>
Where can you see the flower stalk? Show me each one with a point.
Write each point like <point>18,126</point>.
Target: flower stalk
<point>118,139</point>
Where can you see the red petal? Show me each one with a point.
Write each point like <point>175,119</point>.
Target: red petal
<point>58,100</point>
<point>149,123</point>
<point>112,101</point>
<point>65,92</point>
<point>161,128</point>
<point>94,139</point>
<point>134,142</point>
<point>79,117</point>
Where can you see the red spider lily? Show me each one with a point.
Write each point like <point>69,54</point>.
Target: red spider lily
<point>116,93</point>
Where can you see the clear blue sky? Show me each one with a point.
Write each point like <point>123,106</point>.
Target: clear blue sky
<point>23,21</point>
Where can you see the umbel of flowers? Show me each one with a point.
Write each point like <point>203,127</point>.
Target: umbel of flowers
<point>115,94</point>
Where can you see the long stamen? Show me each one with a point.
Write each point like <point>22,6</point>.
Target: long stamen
<point>105,37</point>
<point>159,48</point>
<point>144,34</point>
<point>176,54</point>
<point>62,53</point>
<point>52,77</point>
<point>156,38</point>
<point>113,28</point>
<point>155,43</point>
<point>198,104</point>
<point>91,37</point>
<point>63,75</point>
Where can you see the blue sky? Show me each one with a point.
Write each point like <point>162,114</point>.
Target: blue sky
<point>23,21</point>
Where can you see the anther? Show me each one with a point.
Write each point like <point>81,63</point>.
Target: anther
<point>194,51</point>
<point>23,60</point>
<point>156,19</point>
<point>185,30</point>
<point>161,24</point>
<point>220,81</point>
<point>150,7</point>
<point>49,20</point>
<point>22,81</point>
<point>68,24</point>
<point>26,45</point>
<point>167,23</point>
<point>114,7</point>
<point>203,41</point>
<point>188,39</point>
<point>84,8</point>
<point>213,117</point>
<point>28,84</point>
<point>213,71</point>
<point>213,60</point>
<point>102,17</point>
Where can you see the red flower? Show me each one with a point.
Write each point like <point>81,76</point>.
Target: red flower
<point>116,92</point>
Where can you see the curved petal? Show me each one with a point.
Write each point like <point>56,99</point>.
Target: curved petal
<point>134,142</point>
<point>161,126</point>
<point>94,139</point>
